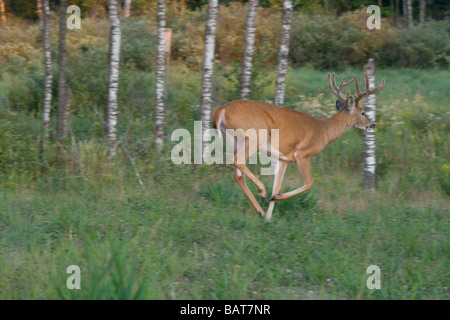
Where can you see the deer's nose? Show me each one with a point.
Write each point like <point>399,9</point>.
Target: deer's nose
<point>372,125</point>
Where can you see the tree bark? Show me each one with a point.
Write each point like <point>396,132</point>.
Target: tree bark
<point>48,70</point>
<point>61,129</point>
<point>409,11</point>
<point>2,11</point>
<point>113,79</point>
<point>423,7</point>
<point>397,11</point>
<point>369,135</point>
<point>283,52</point>
<point>247,57</point>
<point>160,69</point>
<point>208,66</point>
<point>126,8</point>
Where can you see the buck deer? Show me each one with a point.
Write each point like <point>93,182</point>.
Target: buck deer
<point>301,136</point>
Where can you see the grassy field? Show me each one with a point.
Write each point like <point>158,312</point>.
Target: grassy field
<point>190,232</point>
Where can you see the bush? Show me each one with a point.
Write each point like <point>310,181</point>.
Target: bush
<point>138,48</point>
<point>328,42</point>
<point>423,46</point>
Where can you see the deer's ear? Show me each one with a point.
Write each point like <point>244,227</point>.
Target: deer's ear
<point>339,105</point>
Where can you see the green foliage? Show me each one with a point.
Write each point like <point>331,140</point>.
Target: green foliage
<point>138,47</point>
<point>18,151</point>
<point>328,42</point>
<point>424,46</point>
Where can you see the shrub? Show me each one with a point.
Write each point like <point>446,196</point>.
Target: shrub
<point>138,48</point>
<point>424,46</point>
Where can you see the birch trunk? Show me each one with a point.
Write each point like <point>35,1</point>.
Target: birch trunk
<point>247,57</point>
<point>61,129</point>
<point>48,70</point>
<point>409,11</point>
<point>2,11</point>
<point>160,69</point>
<point>113,79</point>
<point>423,7</point>
<point>126,8</point>
<point>369,135</point>
<point>283,53</point>
<point>208,65</point>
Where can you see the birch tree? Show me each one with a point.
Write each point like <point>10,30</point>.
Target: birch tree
<point>126,8</point>
<point>422,11</point>
<point>48,69</point>
<point>409,12</point>
<point>283,52</point>
<point>208,65</point>
<point>113,78</point>
<point>2,11</point>
<point>160,69</point>
<point>369,135</point>
<point>62,127</point>
<point>247,56</point>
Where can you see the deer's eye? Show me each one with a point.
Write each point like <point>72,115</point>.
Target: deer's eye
<point>363,114</point>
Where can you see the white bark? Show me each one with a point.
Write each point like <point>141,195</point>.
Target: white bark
<point>369,135</point>
<point>61,129</point>
<point>410,16</point>
<point>126,8</point>
<point>2,11</point>
<point>283,53</point>
<point>208,65</point>
<point>247,57</point>
<point>113,80</point>
<point>48,70</point>
<point>423,7</point>
<point>160,69</point>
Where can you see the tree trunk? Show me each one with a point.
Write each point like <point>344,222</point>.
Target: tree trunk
<point>410,16</point>
<point>113,79</point>
<point>208,65</point>
<point>397,11</point>
<point>369,135</point>
<point>423,7</point>
<point>126,8</point>
<point>2,11</point>
<point>61,129</point>
<point>247,57</point>
<point>283,53</point>
<point>160,68</point>
<point>48,70</point>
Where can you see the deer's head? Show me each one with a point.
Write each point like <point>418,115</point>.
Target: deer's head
<point>356,115</point>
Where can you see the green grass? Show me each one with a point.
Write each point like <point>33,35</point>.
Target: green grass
<point>190,232</point>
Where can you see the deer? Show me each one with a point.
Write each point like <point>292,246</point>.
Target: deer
<point>301,136</point>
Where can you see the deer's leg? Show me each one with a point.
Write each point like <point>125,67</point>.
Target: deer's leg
<point>304,165</point>
<point>278,178</point>
<point>241,156</point>
<point>240,179</point>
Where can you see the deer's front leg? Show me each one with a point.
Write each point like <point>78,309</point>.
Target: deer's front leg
<point>304,165</point>
<point>278,178</point>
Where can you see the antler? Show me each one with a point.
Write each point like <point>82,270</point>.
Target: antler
<point>337,90</point>
<point>360,95</point>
